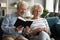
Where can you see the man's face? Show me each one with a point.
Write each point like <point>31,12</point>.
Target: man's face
<point>21,10</point>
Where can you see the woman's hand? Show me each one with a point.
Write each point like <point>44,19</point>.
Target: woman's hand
<point>35,32</point>
<point>19,28</point>
<point>27,29</point>
<point>38,29</point>
<point>47,30</point>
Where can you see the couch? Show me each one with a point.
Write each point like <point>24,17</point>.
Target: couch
<point>1,32</point>
<point>53,22</point>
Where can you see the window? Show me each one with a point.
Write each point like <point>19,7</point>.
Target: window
<point>50,5</point>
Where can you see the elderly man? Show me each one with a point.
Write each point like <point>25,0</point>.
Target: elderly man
<point>10,31</point>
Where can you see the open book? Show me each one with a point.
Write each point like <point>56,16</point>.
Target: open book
<point>23,22</point>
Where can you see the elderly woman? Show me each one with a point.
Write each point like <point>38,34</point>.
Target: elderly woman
<point>39,25</point>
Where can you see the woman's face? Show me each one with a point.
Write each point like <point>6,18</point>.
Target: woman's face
<point>36,11</point>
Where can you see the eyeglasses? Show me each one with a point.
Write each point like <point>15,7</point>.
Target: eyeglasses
<point>36,11</point>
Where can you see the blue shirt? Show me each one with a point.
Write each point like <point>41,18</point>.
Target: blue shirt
<point>8,24</point>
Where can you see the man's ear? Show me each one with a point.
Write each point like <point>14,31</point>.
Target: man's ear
<point>17,8</point>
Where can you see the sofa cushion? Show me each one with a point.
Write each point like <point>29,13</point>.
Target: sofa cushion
<point>58,27</point>
<point>1,19</point>
<point>52,21</point>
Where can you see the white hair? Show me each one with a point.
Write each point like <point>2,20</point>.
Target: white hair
<point>40,6</point>
<point>22,3</point>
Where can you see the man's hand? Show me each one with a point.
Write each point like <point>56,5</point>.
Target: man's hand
<point>19,28</point>
<point>27,29</point>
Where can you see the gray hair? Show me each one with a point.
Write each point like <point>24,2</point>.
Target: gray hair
<point>22,3</point>
<point>37,5</point>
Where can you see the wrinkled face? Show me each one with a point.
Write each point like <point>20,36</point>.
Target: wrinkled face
<point>36,11</point>
<point>21,9</point>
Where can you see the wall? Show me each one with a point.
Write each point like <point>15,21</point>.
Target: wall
<point>14,9</point>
